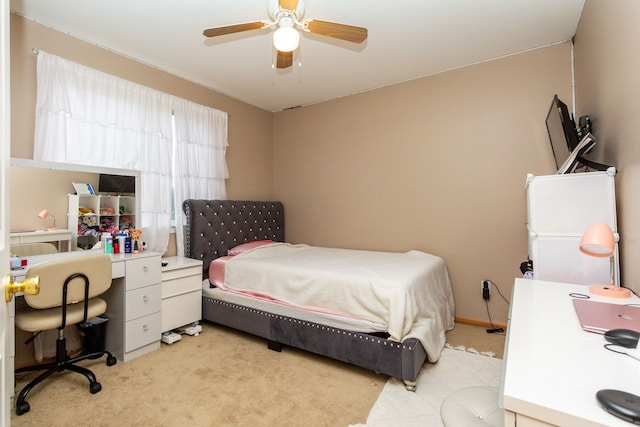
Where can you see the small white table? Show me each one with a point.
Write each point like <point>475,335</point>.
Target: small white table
<point>43,236</point>
<point>553,368</point>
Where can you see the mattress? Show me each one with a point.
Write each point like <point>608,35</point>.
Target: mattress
<point>407,295</point>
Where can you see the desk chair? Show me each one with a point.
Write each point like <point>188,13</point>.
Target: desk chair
<point>68,295</point>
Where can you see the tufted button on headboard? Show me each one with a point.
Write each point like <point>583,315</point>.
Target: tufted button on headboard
<point>215,226</point>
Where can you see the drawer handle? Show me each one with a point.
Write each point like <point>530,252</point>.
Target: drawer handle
<point>145,327</point>
<point>145,298</point>
<point>145,268</point>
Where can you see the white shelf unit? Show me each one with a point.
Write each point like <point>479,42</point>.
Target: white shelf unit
<point>560,209</point>
<point>119,211</point>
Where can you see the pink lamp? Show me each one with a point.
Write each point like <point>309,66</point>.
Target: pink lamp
<point>44,214</point>
<point>598,241</point>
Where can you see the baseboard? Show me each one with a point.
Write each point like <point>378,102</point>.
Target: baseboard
<point>483,323</point>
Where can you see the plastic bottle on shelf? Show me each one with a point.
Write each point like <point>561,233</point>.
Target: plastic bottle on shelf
<point>108,247</point>
<point>121,239</point>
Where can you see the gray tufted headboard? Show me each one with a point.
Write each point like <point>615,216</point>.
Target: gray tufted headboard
<point>215,226</point>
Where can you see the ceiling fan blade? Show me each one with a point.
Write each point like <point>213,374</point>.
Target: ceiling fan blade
<point>284,59</point>
<point>288,4</point>
<point>349,33</point>
<point>230,29</point>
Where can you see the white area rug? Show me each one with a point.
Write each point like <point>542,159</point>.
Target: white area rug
<point>457,368</point>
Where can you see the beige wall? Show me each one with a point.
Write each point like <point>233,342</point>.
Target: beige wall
<point>27,200</point>
<point>608,89</point>
<point>436,164</point>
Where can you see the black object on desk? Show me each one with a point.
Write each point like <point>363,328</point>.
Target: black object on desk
<point>620,404</point>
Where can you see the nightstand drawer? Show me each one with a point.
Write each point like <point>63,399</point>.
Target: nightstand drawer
<point>142,331</point>
<point>117,269</point>
<point>175,272</point>
<point>180,285</point>
<point>181,310</point>
<point>143,272</point>
<point>143,301</point>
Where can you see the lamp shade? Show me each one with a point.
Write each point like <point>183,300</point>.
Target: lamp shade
<point>598,241</point>
<point>44,214</point>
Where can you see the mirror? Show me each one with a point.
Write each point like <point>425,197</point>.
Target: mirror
<point>35,186</point>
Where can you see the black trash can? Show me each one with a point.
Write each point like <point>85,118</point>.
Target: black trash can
<point>93,334</point>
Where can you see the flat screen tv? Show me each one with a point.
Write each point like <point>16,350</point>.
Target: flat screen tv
<point>116,184</point>
<point>568,149</point>
<point>562,131</point>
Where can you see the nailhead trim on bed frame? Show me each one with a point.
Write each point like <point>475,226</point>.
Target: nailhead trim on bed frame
<point>400,360</point>
<point>360,335</point>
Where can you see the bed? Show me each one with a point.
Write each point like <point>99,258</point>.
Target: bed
<point>367,335</point>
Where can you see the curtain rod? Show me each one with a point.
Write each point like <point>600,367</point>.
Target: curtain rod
<point>35,50</point>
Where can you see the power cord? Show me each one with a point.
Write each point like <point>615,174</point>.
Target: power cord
<point>493,329</point>
<point>633,353</point>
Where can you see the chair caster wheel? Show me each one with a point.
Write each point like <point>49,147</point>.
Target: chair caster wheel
<point>22,408</point>
<point>95,387</point>
<point>111,360</point>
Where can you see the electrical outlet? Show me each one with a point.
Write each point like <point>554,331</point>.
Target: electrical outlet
<point>485,285</point>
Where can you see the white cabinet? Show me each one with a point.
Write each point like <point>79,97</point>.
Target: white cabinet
<point>101,213</point>
<point>133,305</point>
<point>559,210</point>
<point>181,292</point>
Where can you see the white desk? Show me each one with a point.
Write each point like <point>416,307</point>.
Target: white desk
<point>553,368</point>
<point>43,236</point>
<point>133,301</point>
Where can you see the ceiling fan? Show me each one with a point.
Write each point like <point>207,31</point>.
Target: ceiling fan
<point>286,16</point>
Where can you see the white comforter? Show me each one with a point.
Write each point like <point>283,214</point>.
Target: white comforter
<point>410,292</point>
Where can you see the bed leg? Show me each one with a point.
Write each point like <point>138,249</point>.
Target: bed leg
<point>275,346</point>
<point>410,385</point>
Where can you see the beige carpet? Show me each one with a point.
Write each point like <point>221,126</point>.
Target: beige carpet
<point>219,378</point>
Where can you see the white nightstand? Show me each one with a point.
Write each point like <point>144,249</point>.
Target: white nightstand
<point>181,292</point>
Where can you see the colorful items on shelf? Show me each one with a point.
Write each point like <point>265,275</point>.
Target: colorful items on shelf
<point>123,242</point>
<point>105,210</point>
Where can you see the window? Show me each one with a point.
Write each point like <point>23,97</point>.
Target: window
<point>85,116</point>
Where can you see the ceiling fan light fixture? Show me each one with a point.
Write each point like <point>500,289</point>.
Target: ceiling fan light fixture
<point>286,39</point>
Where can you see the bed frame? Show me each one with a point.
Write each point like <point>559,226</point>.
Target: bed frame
<point>215,226</point>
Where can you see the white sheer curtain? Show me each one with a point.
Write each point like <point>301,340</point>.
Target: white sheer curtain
<point>200,169</point>
<point>85,116</point>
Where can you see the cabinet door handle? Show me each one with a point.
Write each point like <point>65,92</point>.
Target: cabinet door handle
<point>145,327</point>
<point>145,268</point>
<point>145,298</point>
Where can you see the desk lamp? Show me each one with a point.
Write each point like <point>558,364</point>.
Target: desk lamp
<point>44,214</point>
<point>599,241</point>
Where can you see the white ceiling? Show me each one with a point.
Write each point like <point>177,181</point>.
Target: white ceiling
<point>407,39</point>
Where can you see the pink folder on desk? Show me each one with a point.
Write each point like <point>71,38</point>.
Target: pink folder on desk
<point>600,317</point>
